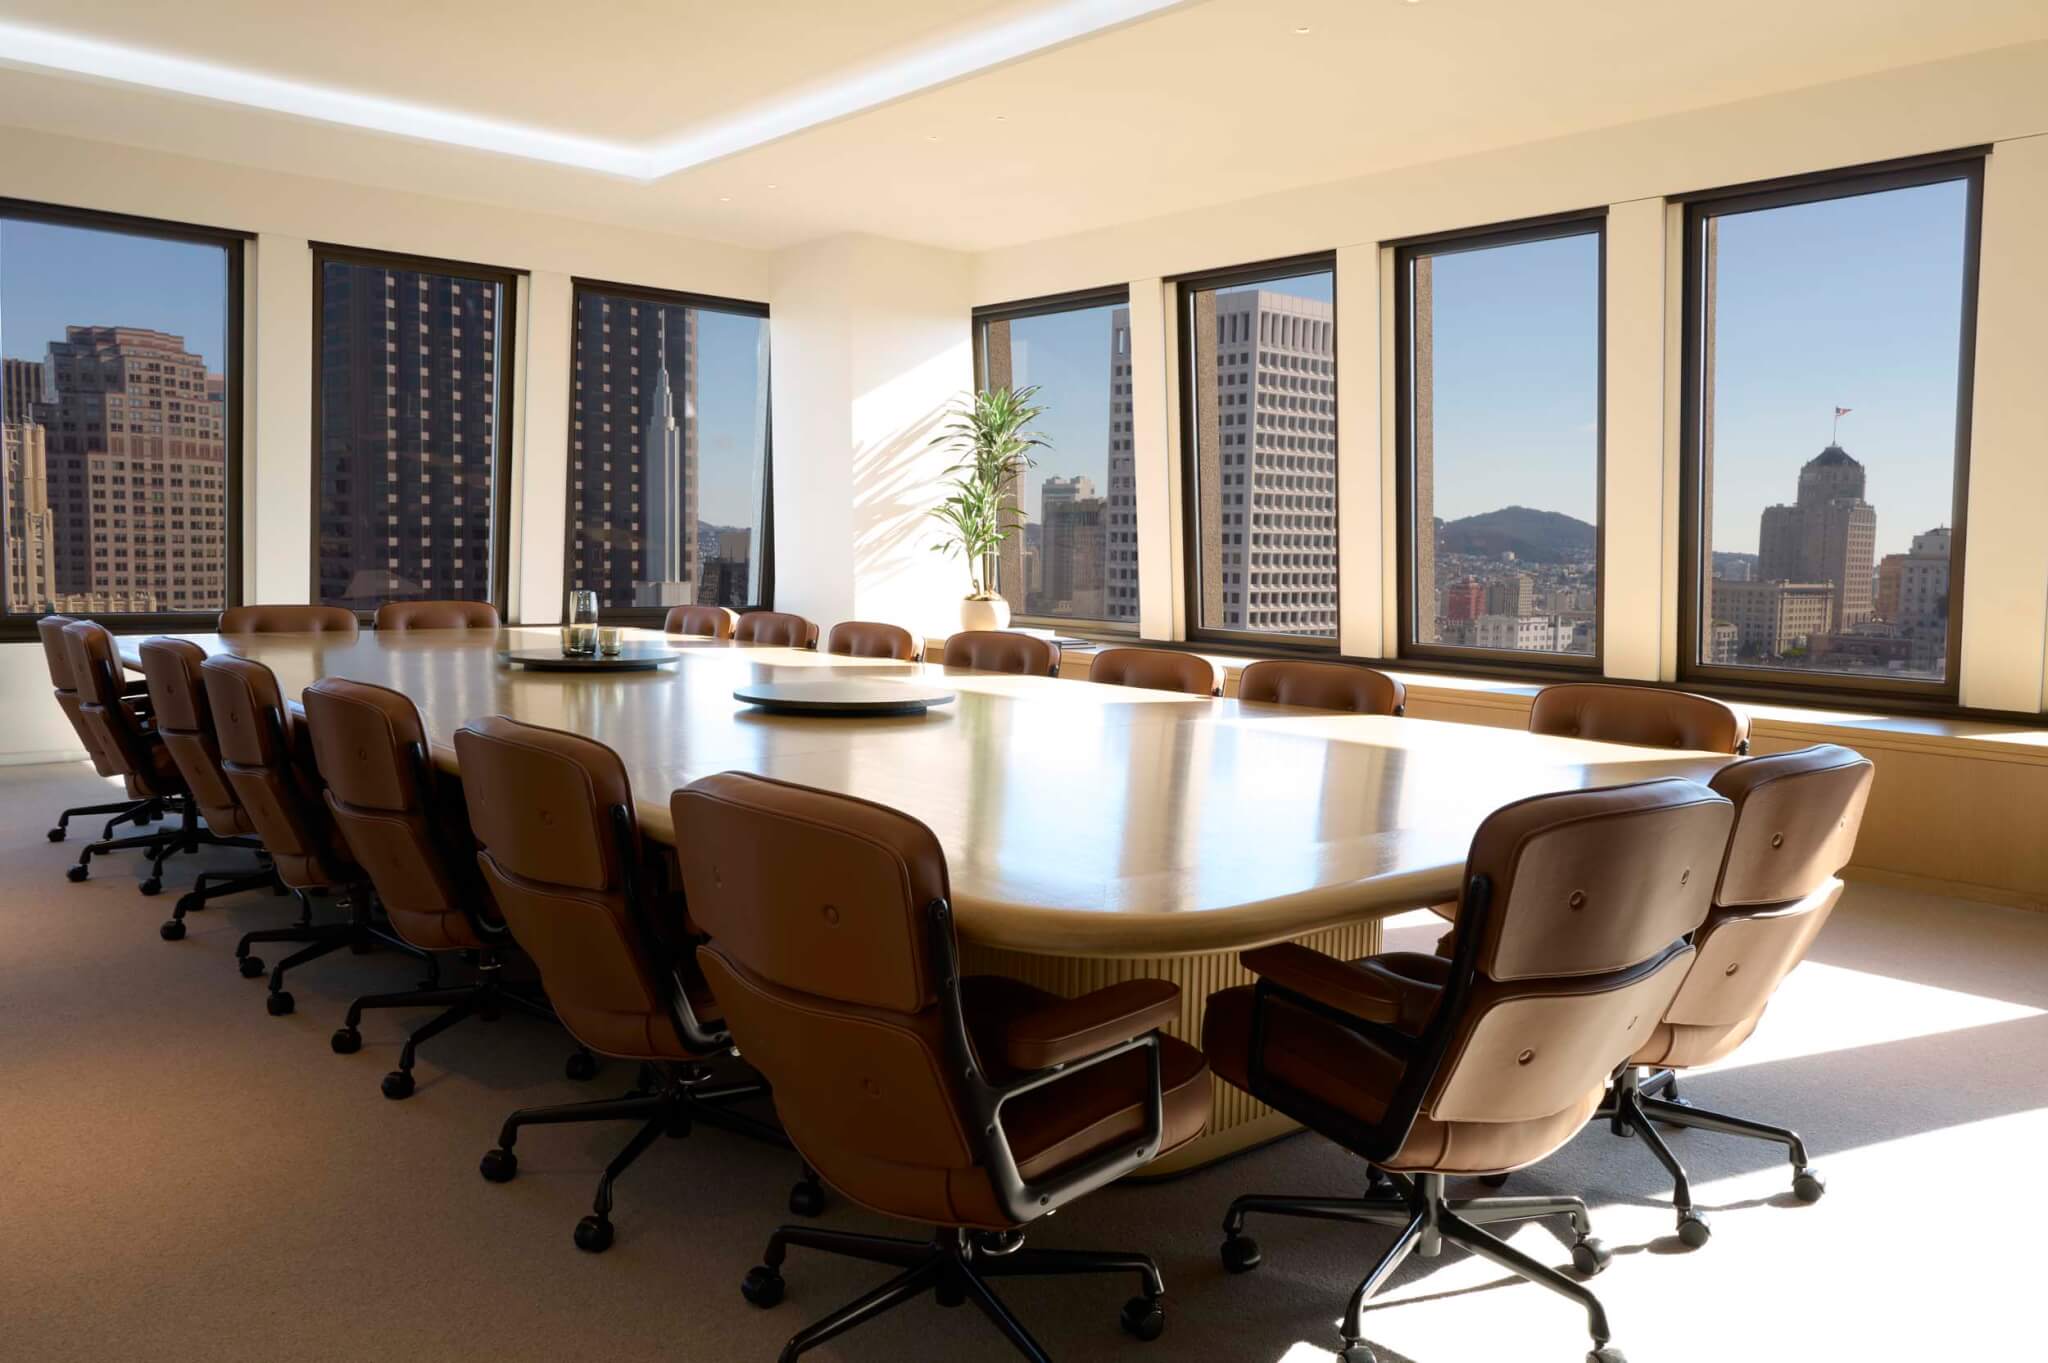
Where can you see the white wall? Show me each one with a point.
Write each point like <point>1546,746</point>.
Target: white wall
<point>287,213</point>
<point>1997,98</point>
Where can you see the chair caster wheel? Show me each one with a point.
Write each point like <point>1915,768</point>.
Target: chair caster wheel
<point>1143,1318</point>
<point>190,903</point>
<point>172,931</point>
<point>77,873</point>
<point>1606,1353</point>
<point>1357,1353</point>
<point>345,1041</point>
<point>280,1004</point>
<point>1693,1230</point>
<point>582,1065</point>
<point>594,1234</point>
<point>1494,1180</point>
<point>251,967</point>
<point>1808,1185</point>
<point>398,1084</point>
<point>498,1166</point>
<point>1589,1256</point>
<point>152,886</point>
<point>762,1287</point>
<point>807,1199</point>
<point>56,835</point>
<point>1241,1254</point>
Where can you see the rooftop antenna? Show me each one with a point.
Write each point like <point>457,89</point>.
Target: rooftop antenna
<point>1835,433</point>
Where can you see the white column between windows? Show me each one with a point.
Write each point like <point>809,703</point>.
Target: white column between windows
<point>1636,511</point>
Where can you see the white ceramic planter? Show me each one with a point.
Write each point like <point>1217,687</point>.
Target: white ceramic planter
<point>993,613</point>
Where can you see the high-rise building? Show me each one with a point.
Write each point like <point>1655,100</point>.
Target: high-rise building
<point>409,410</point>
<point>1120,513</point>
<point>135,451</point>
<point>1772,618</point>
<point>1073,540</point>
<point>1464,599</point>
<point>1268,448</point>
<point>633,459</point>
<point>1511,595</point>
<point>1828,535</point>
<point>31,581</point>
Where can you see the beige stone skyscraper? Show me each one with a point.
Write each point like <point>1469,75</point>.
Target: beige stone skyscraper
<point>1828,535</point>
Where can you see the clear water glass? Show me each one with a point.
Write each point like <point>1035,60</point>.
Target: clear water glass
<point>582,623</point>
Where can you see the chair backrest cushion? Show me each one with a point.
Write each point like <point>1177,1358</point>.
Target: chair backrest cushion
<point>709,622</point>
<point>873,639</point>
<point>1321,686</point>
<point>778,628</point>
<point>1157,669</point>
<point>268,758</point>
<point>184,720</point>
<point>403,615</point>
<point>97,681</point>
<point>50,629</point>
<point>288,619</point>
<point>1647,716</point>
<point>1002,650</point>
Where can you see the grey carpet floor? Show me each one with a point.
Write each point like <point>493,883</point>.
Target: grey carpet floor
<point>183,1177</point>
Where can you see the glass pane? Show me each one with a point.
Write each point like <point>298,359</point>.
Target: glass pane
<point>114,419</point>
<point>410,366</point>
<point>1076,555</point>
<point>1504,413</point>
<point>1828,365</point>
<point>1263,365</point>
<point>668,434</point>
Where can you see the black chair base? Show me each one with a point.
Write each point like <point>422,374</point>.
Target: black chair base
<point>188,836</point>
<point>486,997</point>
<point>359,934</point>
<point>212,885</point>
<point>142,811</point>
<point>1637,1101</point>
<point>1417,1208</point>
<point>955,1266</point>
<point>668,1101</point>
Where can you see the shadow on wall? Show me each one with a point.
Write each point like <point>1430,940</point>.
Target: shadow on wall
<point>897,479</point>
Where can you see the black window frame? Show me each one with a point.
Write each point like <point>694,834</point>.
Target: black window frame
<point>1184,289</point>
<point>505,383</point>
<point>652,617</point>
<point>18,626</point>
<point>1455,657</point>
<point>1109,295</point>
<point>1695,540</point>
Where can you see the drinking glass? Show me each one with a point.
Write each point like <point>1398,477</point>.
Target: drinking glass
<point>583,623</point>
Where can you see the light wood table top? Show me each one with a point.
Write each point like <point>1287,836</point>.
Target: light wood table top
<point>1077,819</point>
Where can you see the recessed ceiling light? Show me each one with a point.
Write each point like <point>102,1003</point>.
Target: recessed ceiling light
<point>1002,118</point>
<point>1301,28</point>
<point>775,186</point>
<point>931,137</point>
<point>725,198</point>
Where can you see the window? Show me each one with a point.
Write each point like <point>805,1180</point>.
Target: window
<point>1075,556</point>
<point>668,451</point>
<point>1828,334</point>
<point>121,416</point>
<point>1259,447</point>
<point>1498,414</point>
<point>413,447</point>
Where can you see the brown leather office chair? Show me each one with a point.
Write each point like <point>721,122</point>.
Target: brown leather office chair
<point>562,855</point>
<point>1571,943</point>
<point>408,827</point>
<point>1322,686</point>
<point>777,628</point>
<point>125,733</point>
<point>138,808</point>
<point>1796,820</point>
<point>1002,650</point>
<point>177,694</point>
<point>403,615</point>
<point>267,755</point>
<point>288,620</point>
<point>976,1106</point>
<point>872,639</point>
<point>1646,716</point>
<point>707,622</point>
<point>1156,669</point>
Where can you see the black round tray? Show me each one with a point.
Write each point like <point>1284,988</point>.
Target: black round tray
<point>630,658</point>
<point>842,697</point>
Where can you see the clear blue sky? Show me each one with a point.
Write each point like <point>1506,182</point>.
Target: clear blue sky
<point>51,277</point>
<point>728,394</point>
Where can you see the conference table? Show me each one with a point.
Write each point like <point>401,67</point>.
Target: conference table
<point>1092,833</point>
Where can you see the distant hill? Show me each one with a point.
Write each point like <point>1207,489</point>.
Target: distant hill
<point>1536,536</point>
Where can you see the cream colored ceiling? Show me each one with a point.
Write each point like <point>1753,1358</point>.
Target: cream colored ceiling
<point>1202,103</point>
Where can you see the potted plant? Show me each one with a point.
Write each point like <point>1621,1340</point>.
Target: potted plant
<point>990,436</point>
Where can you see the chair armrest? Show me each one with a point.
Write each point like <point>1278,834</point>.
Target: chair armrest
<point>1372,990</point>
<point>1070,1029</point>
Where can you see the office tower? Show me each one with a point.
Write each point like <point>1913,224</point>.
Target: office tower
<point>1073,540</point>
<point>1120,515</point>
<point>29,526</point>
<point>409,378</point>
<point>134,433</point>
<point>1771,618</point>
<point>1511,595</point>
<point>1268,447</point>
<point>1828,535</point>
<point>1464,599</point>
